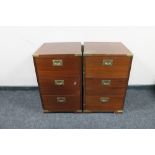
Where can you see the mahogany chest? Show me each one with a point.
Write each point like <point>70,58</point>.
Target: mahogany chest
<point>59,74</point>
<point>89,78</point>
<point>106,68</point>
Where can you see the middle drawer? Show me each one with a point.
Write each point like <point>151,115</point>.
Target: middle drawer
<point>98,86</point>
<point>60,85</point>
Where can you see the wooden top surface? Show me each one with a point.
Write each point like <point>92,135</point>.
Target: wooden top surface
<point>59,48</point>
<point>109,48</point>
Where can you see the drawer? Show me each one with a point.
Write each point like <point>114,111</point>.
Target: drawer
<point>105,83</point>
<point>60,85</point>
<point>58,65</point>
<point>103,103</point>
<point>107,66</point>
<point>106,91</point>
<point>61,103</point>
<point>115,87</point>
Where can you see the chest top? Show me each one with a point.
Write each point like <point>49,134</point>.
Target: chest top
<point>61,48</point>
<point>107,48</point>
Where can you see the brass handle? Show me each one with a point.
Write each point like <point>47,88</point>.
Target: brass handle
<point>106,82</point>
<point>59,82</point>
<point>104,99</point>
<point>57,62</point>
<point>61,99</point>
<point>107,62</point>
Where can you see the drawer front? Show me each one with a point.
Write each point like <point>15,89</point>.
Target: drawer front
<point>105,83</point>
<point>61,103</point>
<point>107,66</point>
<point>60,85</point>
<point>108,91</point>
<point>103,103</point>
<point>58,65</point>
<point>114,87</point>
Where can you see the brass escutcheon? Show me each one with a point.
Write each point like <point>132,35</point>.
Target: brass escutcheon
<point>57,62</point>
<point>59,82</point>
<point>107,62</point>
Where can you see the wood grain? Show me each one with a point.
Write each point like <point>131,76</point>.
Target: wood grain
<point>71,86</point>
<point>119,69</point>
<point>106,48</point>
<point>72,103</point>
<point>96,83</point>
<point>70,71</point>
<point>71,66</point>
<point>105,91</point>
<point>94,104</point>
<point>94,56</point>
<point>59,48</point>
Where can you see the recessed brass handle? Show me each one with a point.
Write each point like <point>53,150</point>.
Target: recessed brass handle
<point>61,99</point>
<point>104,99</point>
<point>57,62</point>
<point>59,82</point>
<point>107,62</point>
<point>106,82</point>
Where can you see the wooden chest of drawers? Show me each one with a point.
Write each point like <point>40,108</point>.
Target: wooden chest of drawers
<point>106,72</point>
<point>76,79</point>
<point>59,73</point>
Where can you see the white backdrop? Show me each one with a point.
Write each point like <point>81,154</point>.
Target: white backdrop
<point>17,45</point>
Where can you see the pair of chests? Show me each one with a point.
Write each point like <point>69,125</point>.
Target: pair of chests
<point>89,79</point>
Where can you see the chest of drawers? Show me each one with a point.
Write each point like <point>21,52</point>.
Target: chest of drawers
<point>106,69</point>
<point>89,78</point>
<point>58,68</point>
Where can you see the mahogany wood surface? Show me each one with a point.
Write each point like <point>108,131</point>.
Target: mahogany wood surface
<point>96,83</point>
<point>94,71</point>
<point>70,105</point>
<point>71,86</point>
<point>114,91</point>
<point>94,104</point>
<point>59,48</point>
<point>119,68</point>
<point>71,66</point>
<point>95,53</point>
<point>70,71</point>
<point>105,48</point>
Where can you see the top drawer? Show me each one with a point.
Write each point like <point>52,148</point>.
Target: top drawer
<point>59,65</point>
<point>107,66</point>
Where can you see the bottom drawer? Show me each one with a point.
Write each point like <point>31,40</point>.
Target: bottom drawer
<point>61,103</point>
<point>103,103</point>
